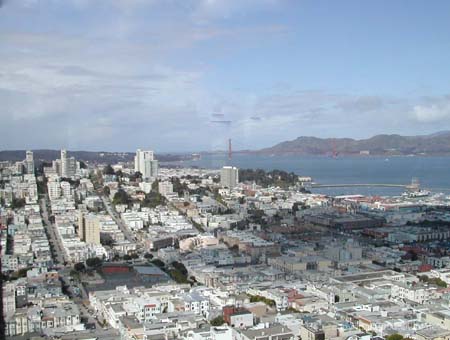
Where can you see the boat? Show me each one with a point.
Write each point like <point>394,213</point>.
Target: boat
<point>419,193</point>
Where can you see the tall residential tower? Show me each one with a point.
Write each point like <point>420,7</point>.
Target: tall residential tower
<point>229,177</point>
<point>29,162</point>
<point>145,163</point>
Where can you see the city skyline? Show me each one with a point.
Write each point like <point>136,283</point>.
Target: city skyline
<point>189,75</point>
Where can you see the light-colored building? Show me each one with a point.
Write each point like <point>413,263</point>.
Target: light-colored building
<point>145,163</point>
<point>88,228</point>
<point>91,229</point>
<point>229,177</point>
<point>64,164</point>
<point>54,189</point>
<point>66,190</point>
<point>66,167</point>
<point>165,188</point>
<point>29,162</point>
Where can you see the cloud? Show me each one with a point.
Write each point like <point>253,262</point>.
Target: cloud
<point>433,112</point>
<point>222,122</point>
<point>362,104</point>
<point>115,75</point>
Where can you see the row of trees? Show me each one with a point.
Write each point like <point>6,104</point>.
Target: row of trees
<point>258,298</point>
<point>433,280</point>
<point>151,200</point>
<point>278,178</point>
<point>397,336</point>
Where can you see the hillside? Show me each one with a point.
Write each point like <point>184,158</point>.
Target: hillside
<point>434,144</point>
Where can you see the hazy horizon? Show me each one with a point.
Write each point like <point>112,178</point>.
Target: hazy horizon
<point>224,149</point>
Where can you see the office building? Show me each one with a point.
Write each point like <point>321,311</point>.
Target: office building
<point>229,177</point>
<point>145,163</point>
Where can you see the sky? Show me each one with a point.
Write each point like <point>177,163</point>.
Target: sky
<point>186,75</point>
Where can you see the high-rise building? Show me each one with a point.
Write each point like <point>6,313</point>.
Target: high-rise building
<point>229,177</point>
<point>54,189</point>
<point>66,167</point>
<point>81,224</point>
<point>165,188</point>
<point>56,165</point>
<point>64,164</point>
<point>19,168</point>
<point>29,162</point>
<point>71,166</point>
<point>89,229</point>
<point>66,190</point>
<point>92,229</point>
<point>145,163</point>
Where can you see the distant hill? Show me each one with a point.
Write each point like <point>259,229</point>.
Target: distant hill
<point>433,144</point>
<point>87,156</point>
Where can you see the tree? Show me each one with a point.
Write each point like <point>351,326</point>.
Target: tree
<point>258,298</point>
<point>82,165</point>
<point>121,197</point>
<point>18,203</point>
<point>273,178</point>
<point>179,187</point>
<point>106,190</point>
<point>180,267</point>
<point>94,262</point>
<point>119,173</point>
<point>155,186</point>
<point>79,267</point>
<point>148,256</point>
<point>395,337</point>
<point>423,278</point>
<point>177,276</point>
<point>108,170</point>
<point>159,263</point>
<point>153,199</point>
<point>217,321</point>
<point>134,177</point>
<point>106,240</point>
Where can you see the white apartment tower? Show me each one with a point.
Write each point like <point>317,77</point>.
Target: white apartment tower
<point>64,164</point>
<point>145,163</point>
<point>54,189</point>
<point>66,167</point>
<point>29,162</point>
<point>229,177</point>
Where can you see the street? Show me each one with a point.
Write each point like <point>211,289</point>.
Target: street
<point>115,216</point>
<point>58,253</point>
